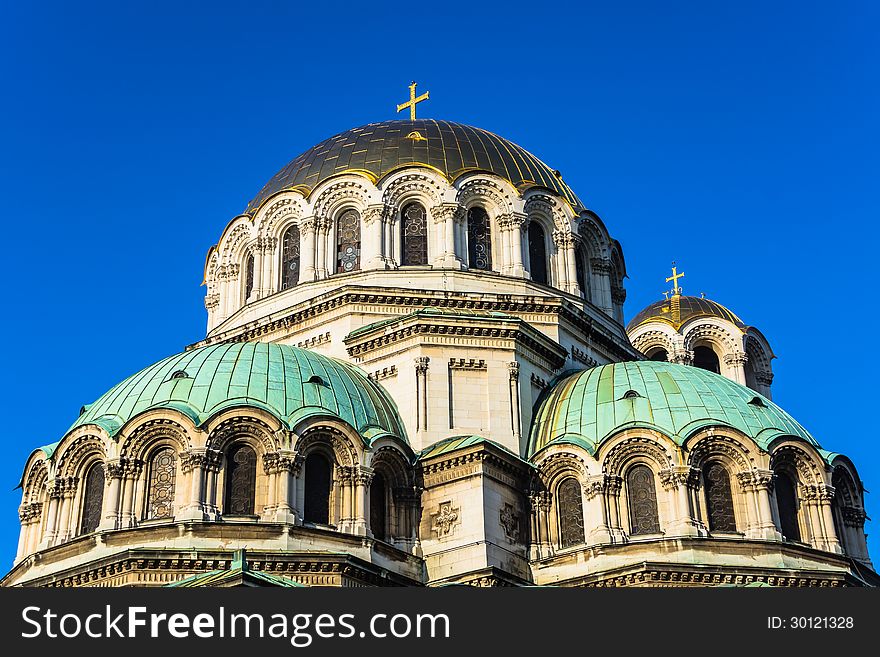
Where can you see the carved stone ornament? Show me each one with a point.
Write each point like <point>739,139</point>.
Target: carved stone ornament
<point>445,519</point>
<point>509,519</point>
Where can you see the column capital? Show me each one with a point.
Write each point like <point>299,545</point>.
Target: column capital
<point>736,358</point>
<point>28,513</point>
<point>374,213</point>
<point>679,475</point>
<point>756,479</point>
<point>563,239</point>
<point>601,266</point>
<point>194,458</point>
<point>513,370</point>
<point>446,212</point>
<point>282,461</point>
<point>308,224</point>
<point>421,364</point>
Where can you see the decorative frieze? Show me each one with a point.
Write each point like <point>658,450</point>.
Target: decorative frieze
<point>582,356</point>
<point>467,364</point>
<point>538,382</point>
<point>384,373</point>
<point>323,338</point>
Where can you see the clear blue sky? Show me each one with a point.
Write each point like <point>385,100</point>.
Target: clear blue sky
<point>740,139</point>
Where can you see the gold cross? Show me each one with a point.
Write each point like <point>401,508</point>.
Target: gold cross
<point>413,100</point>
<point>674,278</point>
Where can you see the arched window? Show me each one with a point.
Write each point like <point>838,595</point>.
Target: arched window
<point>787,504</point>
<point>348,242</point>
<point>479,239</point>
<point>571,512</point>
<point>378,507</point>
<point>581,271</point>
<point>93,498</point>
<point>414,234</point>
<point>316,504</point>
<point>658,354</point>
<point>163,473</point>
<point>641,499</point>
<point>290,258</point>
<point>248,277</point>
<point>719,499</point>
<point>537,253</point>
<point>705,358</point>
<point>241,480</point>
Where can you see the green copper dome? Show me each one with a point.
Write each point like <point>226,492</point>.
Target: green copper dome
<point>590,406</point>
<point>288,382</point>
<point>452,149</point>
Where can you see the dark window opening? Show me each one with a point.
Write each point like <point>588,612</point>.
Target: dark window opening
<point>787,504</point>
<point>719,498</point>
<point>537,253</point>
<point>378,509</point>
<point>316,504</point>
<point>479,239</point>
<point>414,229</point>
<point>241,481</point>
<point>705,358</point>
<point>641,498</point>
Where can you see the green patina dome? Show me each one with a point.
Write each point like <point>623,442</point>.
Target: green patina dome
<point>588,407</point>
<point>290,383</point>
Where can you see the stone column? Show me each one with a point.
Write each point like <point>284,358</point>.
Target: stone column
<point>764,380</point>
<point>527,261</point>
<point>54,489</point>
<point>736,366</point>
<point>322,230</point>
<point>372,249</point>
<point>517,221</point>
<point>113,471</point>
<point>597,523</point>
<point>541,547</point>
<point>506,256</point>
<point>270,467</point>
<point>68,491</point>
<point>213,460</point>
<point>131,471</point>
<point>193,463</point>
<point>601,272</point>
<point>618,297</point>
<point>345,477</point>
<point>515,414</point>
<point>265,282</point>
<point>29,516</point>
<point>445,218</point>
<point>824,496</point>
<point>854,525</point>
<point>808,498</point>
<point>287,465</point>
<point>308,248</point>
<point>613,486</point>
<point>459,221</point>
<point>756,485</point>
<point>441,249</point>
<point>362,478</point>
<point>566,268</point>
<point>677,480</point>
<point>422,393</point>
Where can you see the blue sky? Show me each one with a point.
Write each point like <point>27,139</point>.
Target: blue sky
<point>739,139</point>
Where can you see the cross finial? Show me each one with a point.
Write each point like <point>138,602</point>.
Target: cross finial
<point>676,290</point>
<point>413,101</point>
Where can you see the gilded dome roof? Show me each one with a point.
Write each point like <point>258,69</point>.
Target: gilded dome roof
<point>379,148</point>
<point>288,382</point>
<point>590,406</point>
<point>689,308</point>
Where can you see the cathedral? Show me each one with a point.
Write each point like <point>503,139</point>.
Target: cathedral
<point>416,372</point>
